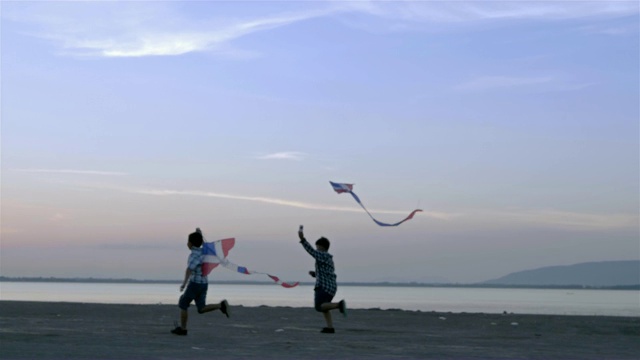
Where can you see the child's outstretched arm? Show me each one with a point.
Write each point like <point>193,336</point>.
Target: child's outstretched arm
<point>305,244</point>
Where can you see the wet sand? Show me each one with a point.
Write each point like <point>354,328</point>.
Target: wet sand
<point>41,330</point>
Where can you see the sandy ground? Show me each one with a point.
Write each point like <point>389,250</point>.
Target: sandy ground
<point>41,330</point>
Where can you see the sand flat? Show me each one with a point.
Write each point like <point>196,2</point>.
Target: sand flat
<point>42,330</point>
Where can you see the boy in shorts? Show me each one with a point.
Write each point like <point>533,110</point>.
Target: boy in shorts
<point>198,284</point>
<point>325,287</point>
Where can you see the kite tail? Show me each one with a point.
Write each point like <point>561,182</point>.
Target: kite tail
<point>244,270</point>
<point>340,188</point>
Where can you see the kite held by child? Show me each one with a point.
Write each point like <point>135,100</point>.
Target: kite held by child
<point>196,284</point>
<point>215,253</point>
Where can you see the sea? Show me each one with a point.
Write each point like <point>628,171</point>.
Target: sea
<point>412,298</point>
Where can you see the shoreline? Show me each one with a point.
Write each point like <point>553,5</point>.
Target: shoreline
<point>311,283</point>
<point>48,330</point>
<point>491,301</point>
<point>309,306</point>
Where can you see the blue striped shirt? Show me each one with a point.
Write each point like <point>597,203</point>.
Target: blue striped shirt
<point>195,265</point>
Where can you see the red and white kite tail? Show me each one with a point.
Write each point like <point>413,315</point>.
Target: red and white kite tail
<point>243,270</point>
<point>282,283</point>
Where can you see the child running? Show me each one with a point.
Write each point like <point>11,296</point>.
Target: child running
<point>325,287</point>
<point>198,285</point>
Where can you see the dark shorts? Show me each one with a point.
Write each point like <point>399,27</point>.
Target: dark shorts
<point>321,297</point>
<point>197,292</point>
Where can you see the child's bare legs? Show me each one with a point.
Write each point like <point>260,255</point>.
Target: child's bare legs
<point>223,306</point>
<point>327,318</point>
<point>210,307</point>
<point>184,316</point>
<point>326,308</point>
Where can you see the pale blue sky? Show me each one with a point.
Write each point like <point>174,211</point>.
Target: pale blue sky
<point>125,125</point>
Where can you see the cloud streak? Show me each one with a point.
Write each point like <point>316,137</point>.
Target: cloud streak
<point>569,219</point>
<point>286,155</point>
<point>148,29</point>
<point>539,217</point>
<point>73,172</point>
<point>477,218</point>
<point>501,82</point>
<point>276,201</point>
<point>178,43</point>
<point>477,11</point>
<point>160,29</point>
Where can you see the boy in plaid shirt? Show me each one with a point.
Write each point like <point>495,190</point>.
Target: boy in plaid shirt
<point>198,285</point>
<point>326,287</point>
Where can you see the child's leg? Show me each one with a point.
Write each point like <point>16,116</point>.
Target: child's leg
<point>223,306</point>
<point>327,318</point>
<point>326,307</point>
<point>208,308</point>
<point>201,301</point>
<point>183,304</point>
<point>323,304</point>
<point>326,311</point>
<point>184,316</point>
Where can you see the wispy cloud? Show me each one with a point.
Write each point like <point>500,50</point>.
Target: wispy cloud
<point>501,82</point>
<point>485,217</point>
<point>137,29</point>
<point>475,11</point>
<point>148,29</point>
<point>267,200</point>
<point>286,155</point>
<point>543,217</point>
<point>610,30</point>
<point>569,219</point>
<point>10,230</point>
<point>182,42</point>
<point>74,172</point>
<point>575,86</point>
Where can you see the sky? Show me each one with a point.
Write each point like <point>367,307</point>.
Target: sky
<point>126,125</point>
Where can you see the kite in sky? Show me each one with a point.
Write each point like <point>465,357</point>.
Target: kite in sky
<point>215,253</point>
<point>348,188</point>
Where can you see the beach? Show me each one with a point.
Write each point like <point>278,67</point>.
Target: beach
<point>44,330</point>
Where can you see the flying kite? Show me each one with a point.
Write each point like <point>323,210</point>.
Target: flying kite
<point>348,188</point>
<point>215,253</point>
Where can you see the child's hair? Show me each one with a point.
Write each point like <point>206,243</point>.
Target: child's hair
<point>196,238</point>
<point>324,242</point>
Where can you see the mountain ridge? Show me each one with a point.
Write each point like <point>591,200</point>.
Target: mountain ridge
<point>591,274</point>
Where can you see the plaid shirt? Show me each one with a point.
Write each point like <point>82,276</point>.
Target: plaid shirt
<point>195,265</point>
<point>325,271</point>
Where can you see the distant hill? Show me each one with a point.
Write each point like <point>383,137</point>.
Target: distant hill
<point>591,274</point>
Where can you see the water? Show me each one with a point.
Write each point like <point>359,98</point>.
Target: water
<point>472,300</point>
